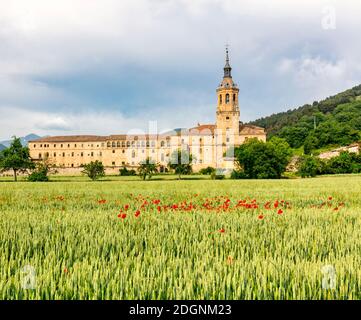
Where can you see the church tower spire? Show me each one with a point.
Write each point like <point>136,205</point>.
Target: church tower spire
<point>227,67</point>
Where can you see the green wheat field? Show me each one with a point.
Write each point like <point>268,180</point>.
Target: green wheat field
<point>122,238</point>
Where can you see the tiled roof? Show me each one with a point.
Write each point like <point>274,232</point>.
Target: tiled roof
<point>246,129</point>
<point>82,138</point>
<point>204,129</point>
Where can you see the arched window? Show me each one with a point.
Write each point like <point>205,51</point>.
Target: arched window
<point>162,143</point>
<point>133,154</point>
<point>123,144</point>
<point>128,144</point>
<point>220,99</point>
<point>227,98</point>
<point>118,144</point>
<point>113,144</point>
<point>234,97</point>
<point>108,144</point>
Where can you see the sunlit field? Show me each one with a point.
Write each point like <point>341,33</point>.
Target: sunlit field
<point>123,238</point>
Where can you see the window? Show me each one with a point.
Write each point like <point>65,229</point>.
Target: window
<point>138,144</point>
<point>113,151</point>
<point>54,154</point>
<point>39,155</point>
<point>147,144</point>
<point>220,99</point>
<point>92,154</point>
<point>102,144</point>
<point>109,144</point>
<point>123,162</point>
<point>100,153</point>
<point>162,144</point>
<point>34,145</point>
<point>113,144</point>
<point>72,154</point>
<point>227,98</point>
<point>63,154</point>
<point>68,145</point>
<point>72,165</point>
<point>234,97</point>
<point>74,145</point>
<point>118,144</point>
<point>113,163</point>
<point>54,145</point>
<point>123,144</point>
<point>61,145</point>
<point>41,146</point>
<point>123,151</point>
<point>128,144</point>
<point>227,118</point>
<point>227,139</point>
<point>81,154</point>
<point>133,154</point>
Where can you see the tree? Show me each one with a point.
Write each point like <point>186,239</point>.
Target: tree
<point>42,170</point>
<point>181,162</point>
<point>94,170</point>
<point>310,166</point>
<point>16,158</point>
<point>263,160</point>
<point>147,168</point>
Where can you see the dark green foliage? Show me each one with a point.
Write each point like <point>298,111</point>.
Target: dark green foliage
<point>181,162</point>
<point>208,170</point>
<point>42,171</point>
<point>38,175</point>
<point>125,172</point>
<point>147,168</point>
<point>310,166</point>
<point>94,170</point>
<point>16,158</point>
<point>263,160</point>
<point>238,174</point>
<point>346,162</point>
<point>334,121</point>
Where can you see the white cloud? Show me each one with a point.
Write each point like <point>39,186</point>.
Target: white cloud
<point>279,52</point>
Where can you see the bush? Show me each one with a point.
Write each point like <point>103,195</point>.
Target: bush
<point>38,175</point>
<point>125,172</point>
<point>208,170</point>
<point>94,170</point>
<point>310,166</point>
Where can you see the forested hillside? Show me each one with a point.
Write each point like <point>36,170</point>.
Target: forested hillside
<point>330,122</point>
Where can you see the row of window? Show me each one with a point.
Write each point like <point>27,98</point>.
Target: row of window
<point>113,144</point>
<point>227,97</point>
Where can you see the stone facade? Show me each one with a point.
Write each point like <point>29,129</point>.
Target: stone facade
<point>210,144</point>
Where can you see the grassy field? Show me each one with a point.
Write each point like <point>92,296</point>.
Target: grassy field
<point>123,238</point>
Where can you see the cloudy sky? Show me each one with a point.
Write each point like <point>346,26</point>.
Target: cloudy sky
<point>110,66</point>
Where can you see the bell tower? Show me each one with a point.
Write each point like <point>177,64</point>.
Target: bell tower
<point>227,115</point>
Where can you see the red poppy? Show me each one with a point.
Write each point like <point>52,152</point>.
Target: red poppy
<point>222,230</point>
<point>65,270</point>
<point>276,204</point>
<point>335,209</point>
<point>329,198</point>
<point>122,215</point>
<point>280,211</point>
<point>159,208</point>
<point>137,213</point>
<point>156,201</point>
<point>261,216</point>
<point>126,207</point>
